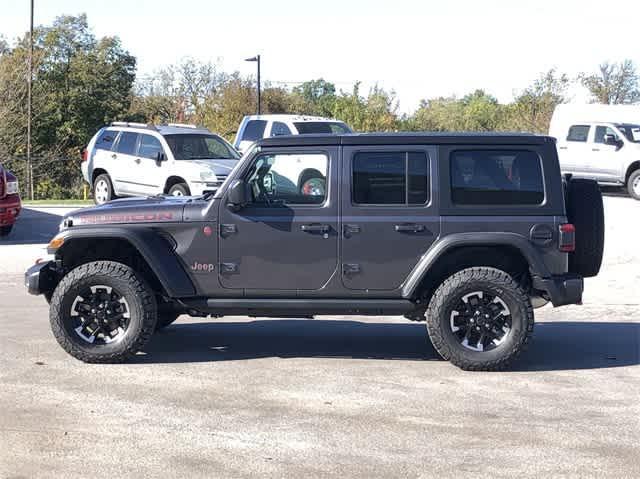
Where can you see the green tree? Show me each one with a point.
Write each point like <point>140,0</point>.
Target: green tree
<point>613,83</point>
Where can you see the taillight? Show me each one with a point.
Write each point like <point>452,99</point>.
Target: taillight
<point>567,241</point>
<point>85,155</point>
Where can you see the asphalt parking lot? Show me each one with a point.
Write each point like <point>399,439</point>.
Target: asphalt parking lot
<point>330,397</point>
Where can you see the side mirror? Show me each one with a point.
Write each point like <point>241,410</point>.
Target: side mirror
<point>160,157</point>
<point>612,140</point>
<point>238,196</point>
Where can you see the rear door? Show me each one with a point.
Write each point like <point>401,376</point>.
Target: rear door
<point>389,217</point>
<point>286,238</point>
<point>574,153</point>
<point>125,172</point>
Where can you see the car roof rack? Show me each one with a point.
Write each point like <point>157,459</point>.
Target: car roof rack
<point>133,125</point>
<point>182,125</point>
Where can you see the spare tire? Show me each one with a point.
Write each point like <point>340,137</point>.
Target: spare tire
<point>585,211</point>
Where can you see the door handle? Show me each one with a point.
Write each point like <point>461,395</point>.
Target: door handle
<point>314,228</point>
<point>595,149</point>
<point>409,228</point>
<point>563,148</point>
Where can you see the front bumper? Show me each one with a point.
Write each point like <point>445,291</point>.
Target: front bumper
<point>561,290</point>
<point>198,188</point>
<point>42,278</point>
<point>10,207</point>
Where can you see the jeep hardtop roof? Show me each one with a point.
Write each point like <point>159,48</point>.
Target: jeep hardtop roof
<point>411,138</point>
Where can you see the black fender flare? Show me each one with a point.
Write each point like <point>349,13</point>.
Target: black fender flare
<point>449,242</point>
<point>155,250</point>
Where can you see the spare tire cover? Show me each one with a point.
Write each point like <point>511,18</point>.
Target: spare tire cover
<point>585,211</point>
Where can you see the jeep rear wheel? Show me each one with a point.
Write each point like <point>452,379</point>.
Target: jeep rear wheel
<point>480,319</point>
<point>633,185</point>
<point>102,312</point>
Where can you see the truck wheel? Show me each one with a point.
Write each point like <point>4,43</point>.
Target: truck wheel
<point>103,189</point>
<point>480,319</point>
<point>102,312</point>
<point>179,189</point>
<point>165,319</point>
<point>585,211</point>
<point>633,185</point>
<point>5,230</point>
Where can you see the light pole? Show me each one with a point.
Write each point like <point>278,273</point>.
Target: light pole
<point>256,59</point>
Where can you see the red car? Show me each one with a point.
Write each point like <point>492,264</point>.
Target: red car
<point>10,204</point>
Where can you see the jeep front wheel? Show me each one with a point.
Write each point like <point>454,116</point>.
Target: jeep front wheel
<point>480,319</point>
<point>103,312</point>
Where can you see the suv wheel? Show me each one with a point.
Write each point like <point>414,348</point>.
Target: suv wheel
<point>103,189</point>
<point>480,319</point>
<point>633,185</point>
<point>179,189</point>
<point>102,312</point>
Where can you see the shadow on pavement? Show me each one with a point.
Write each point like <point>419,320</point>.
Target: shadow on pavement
<point>33,227</point>
<point>616,191</point>
<point>555,346</point>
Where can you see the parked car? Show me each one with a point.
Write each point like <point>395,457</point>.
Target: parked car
<point>255,127</point>
<point>467,232</point>
<point>134,159</point>
<point>601,142</point>
<point>10,204</point>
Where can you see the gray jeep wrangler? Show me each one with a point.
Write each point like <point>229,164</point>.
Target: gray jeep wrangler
<point>468,232</point>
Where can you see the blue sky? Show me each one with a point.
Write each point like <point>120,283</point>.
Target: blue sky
<point>420,49</point>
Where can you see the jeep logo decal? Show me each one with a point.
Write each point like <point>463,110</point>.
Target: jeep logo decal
<point>203,267</point>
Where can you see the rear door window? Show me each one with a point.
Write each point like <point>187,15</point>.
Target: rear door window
<point>504,177</point>
<point>578,133</point>
<point>280,129</point>
<point>390,178</point>
<point>106,140</point>
<point>127,143</point>
<point>254,130</point>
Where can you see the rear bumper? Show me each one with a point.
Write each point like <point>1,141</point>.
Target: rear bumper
<point>10,207</point>
<point>41,278</point>
<point>561,290</point>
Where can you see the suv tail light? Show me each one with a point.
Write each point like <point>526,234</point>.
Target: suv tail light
<point>567,242</point>
<point>85,155</point>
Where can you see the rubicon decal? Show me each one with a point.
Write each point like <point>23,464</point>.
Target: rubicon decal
<point>126,218</point>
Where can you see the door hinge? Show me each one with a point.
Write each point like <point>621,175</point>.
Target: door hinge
<point>228,267</point>
<point>226,230</point>
<point>350,268</point>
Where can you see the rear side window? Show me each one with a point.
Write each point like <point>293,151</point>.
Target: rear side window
<point>578,133</point>
<point>390,178</point>
<point>127,143</point>
<point>254,130</point>
<point>280,129</point>
<point>149,147</point>
<point>483,177</point>
<point>106,139</point>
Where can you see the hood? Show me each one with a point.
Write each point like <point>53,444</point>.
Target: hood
<point>154,209</point>
<point>219,167</point>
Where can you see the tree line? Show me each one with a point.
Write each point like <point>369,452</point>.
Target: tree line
<point>81,83</point>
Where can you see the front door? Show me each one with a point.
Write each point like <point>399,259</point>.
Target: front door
<point>286,238</point>
<point>125,175</point>
<point>389,216</point>
<point>606,161</point>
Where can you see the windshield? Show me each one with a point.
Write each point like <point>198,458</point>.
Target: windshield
<point>632,132</point>
<point>200,147</point>
<point>335,127</point>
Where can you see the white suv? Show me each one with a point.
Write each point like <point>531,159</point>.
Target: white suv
<point>135,159</point>
<point>255,127</point>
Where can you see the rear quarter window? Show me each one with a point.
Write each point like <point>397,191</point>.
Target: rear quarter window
<point>106,139</point>
<point>502,177</point>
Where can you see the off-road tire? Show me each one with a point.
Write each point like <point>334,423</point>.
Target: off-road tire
<point>179,189</point>
<point>585,210</point>
<point>493,281</point>
<point>5,230</point>
<point>631,185</point>
<point>110,192</point>
<point>165,319</point>
<point>133,287</point>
